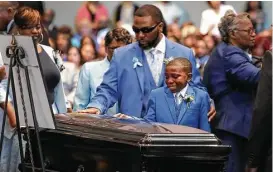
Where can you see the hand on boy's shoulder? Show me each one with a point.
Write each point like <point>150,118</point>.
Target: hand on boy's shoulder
<point>212,110</point>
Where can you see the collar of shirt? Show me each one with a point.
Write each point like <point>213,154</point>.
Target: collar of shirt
<point>249,56</point>
<point>160,47</point>
<point>183,91</point>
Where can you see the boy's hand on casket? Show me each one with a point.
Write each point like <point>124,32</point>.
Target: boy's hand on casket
<point>121,115</point>
<point>91,111</point>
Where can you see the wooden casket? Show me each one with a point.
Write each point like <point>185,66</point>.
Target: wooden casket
<point>103,143</point>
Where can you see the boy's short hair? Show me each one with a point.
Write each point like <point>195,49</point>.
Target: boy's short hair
<point>182,62</point>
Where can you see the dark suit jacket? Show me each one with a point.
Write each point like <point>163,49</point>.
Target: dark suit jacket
<point>260,140</point>
<point>230,78</point>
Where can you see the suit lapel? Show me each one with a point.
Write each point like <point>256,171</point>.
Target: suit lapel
<point>168,54</point>
<point>171,103</point>
<point>184,106</point>
<point>139,69</point>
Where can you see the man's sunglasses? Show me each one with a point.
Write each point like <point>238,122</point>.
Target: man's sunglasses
<point>144,29</point>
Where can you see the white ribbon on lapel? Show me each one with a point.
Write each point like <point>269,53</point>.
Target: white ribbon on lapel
<point>136,62</point>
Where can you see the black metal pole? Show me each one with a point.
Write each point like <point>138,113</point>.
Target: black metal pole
<point>11,79</point>
<point>36,125</point>
<point>17,121</point>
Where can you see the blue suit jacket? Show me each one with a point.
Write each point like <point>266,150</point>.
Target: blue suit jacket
<point>231,79</point>
<point>161,108</point>
<point>126,84</point>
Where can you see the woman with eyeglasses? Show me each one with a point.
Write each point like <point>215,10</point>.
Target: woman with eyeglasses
<point>231,80</point>
<point>28,22</point>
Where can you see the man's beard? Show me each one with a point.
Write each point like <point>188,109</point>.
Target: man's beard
<point>151,44</point>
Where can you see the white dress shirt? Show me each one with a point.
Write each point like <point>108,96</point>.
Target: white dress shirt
<point>211,19</point>
<point>182,93</point>
<point>156,63</point>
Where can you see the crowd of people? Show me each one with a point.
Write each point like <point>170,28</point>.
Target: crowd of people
<point>156,66</point>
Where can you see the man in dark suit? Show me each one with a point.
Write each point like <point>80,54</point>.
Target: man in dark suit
<point>260,140</point>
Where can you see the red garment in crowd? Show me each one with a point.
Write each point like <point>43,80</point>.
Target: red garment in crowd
<point>83,12</point>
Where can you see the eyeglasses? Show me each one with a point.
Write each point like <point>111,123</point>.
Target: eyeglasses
<point>249,31</point>
<point>144,29</point>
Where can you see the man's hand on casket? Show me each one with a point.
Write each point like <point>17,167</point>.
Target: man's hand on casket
<point>91,111</point>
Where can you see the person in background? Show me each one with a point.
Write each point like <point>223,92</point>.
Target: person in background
<point>71,73</point>
<point>7,10</point>
<point>188,35</point>
<point>124,14</point>
<point>231,80</point>
<point>47,21</point>
<point>257,15</point>
<point>74,56</point>
<point>91,10</point>
<point>87,40</point>
<point>91,74</point>
<point>172,13</point>
<point>211,17</point>
<point>260,138</point>
<point>186,105</point>
<point>83,28</point>
<point>201,55</point>
<point>63,43</point>
<point>40,7</point>
<point>210,41</point>
<point>88,53</point>
<point>173,31</point>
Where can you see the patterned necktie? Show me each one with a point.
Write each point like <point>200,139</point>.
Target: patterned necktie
<point>154,66</point>
<point>178,100</point>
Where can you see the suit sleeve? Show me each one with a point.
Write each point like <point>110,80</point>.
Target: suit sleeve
<point>241,71</point>
<point>107,94</point>
<point>83,93</point>
<point>261,134</point>
<point>203,120</point>
<point>151,112</point>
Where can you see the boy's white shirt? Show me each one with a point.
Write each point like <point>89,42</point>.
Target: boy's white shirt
<point>182,92</point>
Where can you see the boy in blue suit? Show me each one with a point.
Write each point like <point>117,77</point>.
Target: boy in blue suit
<point>178,102</point>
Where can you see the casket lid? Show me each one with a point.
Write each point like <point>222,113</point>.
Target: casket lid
<point>131,131</point>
